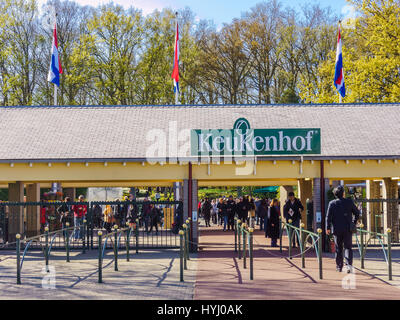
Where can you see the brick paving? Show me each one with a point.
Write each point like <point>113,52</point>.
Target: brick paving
<point>221,274</point>
<point>214,273</point>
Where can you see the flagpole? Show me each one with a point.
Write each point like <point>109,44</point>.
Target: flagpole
<point>340,96</point>
<point>55,94</point>
<point>176,91</point>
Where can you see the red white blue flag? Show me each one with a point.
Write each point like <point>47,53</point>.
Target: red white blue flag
<point>175,71</point>
<point>339,76</point>
<point>55,64</point>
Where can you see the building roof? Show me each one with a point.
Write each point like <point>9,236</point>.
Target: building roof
<point>122,132</point>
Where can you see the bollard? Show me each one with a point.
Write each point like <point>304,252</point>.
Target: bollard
<point>320,251</point>
<point>91,235</point>
<point>87,235</point>
<point>127,241</point>
<point>67,243</point>
<point>184,226</point>
<point>239,230</point>
<point>115,248</point>
<point>46,249</point>
<point>83,236</point>
<point>251,230</point>
<point>280,233</point>
<point>235,234</point>
<point>244,246</point>
<point>187,240</point>
<point>362,246</point>
<point>303,260</point>
<point>181,233</point>
<point>290,238</point>
<point>389,255</point>
<point>18,237</point>
<point>137,235</point>
<point>100,280</point>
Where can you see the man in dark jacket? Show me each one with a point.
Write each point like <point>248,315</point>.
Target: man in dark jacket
<point>206,211</point>
<point>340,222</point>
<point>231,209</point>
<point>292,210</point>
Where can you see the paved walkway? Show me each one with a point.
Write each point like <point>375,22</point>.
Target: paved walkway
<point>214,273</point>
<point>148,275</point>
<point>221,274</point>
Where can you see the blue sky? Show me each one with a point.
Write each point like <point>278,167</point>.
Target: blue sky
<point>219,11</point>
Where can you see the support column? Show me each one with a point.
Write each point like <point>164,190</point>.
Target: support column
<point>391,209</point>
<point>16,213</point>
<point>187,212</point>
<point>316,195</point>
<point>305,192</point>
<point>373,191</point>
<point>195,224</point>
<point>283,192</point>
<point>185,199</point>
<point>33,212</point>
<point>70,192</point>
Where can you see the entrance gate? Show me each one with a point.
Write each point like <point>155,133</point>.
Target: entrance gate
<point>157,229</point>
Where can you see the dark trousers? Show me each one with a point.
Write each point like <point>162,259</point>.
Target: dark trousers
<point>231,222</point>
<point>153,223</point>
<point>295,223</point>
<point>261,222</point>
<point>343,239</point>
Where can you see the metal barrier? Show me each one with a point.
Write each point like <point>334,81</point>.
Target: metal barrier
<point>303,237</point>
<point>184,240</point>
<point>46,249</point>
<point>117,233</point>
<point>362,245</point>
<point>245,234</point>
<point>162,237</point>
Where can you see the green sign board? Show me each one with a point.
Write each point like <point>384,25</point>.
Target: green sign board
<point>244,141</point>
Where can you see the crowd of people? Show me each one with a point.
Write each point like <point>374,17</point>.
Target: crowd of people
<point>119,213</point>
<point>254,211</point>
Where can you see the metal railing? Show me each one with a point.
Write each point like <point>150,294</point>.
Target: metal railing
<point>385,240</point>
<point>159,234</point>
<point>304,237</point>
<point>46,249</point>
<point>184,240</point>
<point>244,243</point>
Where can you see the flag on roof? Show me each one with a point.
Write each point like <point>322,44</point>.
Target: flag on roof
<point>339,76</point>
<point>55,64</point>
<point>175,71</point>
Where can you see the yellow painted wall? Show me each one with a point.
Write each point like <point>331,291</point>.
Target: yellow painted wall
<point>135,174</point>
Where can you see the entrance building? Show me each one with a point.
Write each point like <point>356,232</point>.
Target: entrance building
<point>312,147</point>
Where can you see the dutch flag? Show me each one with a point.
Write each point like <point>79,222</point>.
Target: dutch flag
<point>55,64</point>
<point>339,76</point>
<point>175,71</point>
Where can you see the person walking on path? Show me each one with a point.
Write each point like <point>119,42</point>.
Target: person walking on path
<point>292,210</point>
<point>231,209</point>
<point>80,211</point>
<point>222,211</point>
<point>155,218</point>
<point>214,212</point>
<point>341,219</point>
<point>206,210</point>
<point>243,207</point>
<point>146,209</point>
<point>108,218</point>
<point>262,213</point>
<point>272,230</point>
<point>65,212</point>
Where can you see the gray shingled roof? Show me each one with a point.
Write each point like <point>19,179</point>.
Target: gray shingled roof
<point>119,132</point>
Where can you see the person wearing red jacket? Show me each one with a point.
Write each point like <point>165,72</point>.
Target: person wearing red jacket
<point>80,211</point>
